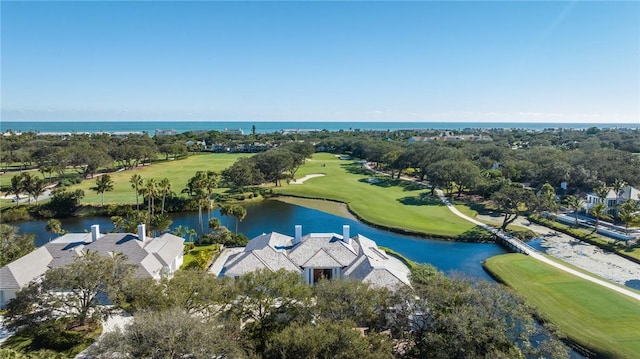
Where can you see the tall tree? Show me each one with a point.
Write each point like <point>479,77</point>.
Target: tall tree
<point>197,188</point>
<point>17,187</point>
<point>181,231</point>
<point>445,318</point>
<point>242,173</point>
<point>226,210</point>
<point>268,301</point>
<point>36,187</point>
<point>601,190</point>
<point>239,213</point>
<point>172,334</point>
<point>352,300</point>
<point>54,226</point>
<point>618,185</point>
<point>136,183</point>
<point>160,223</point>
<point>512,201</point>
<point>629,213</point>
<point>13,245</point>
<point>104,184</point>
<point>211,182</point>
<point>82,281</point>
<point>599,211</point>
<point>328,339</point>
<point>151,191</point>
<point>547,198</point>
<point>164,188</point>
<point>575,203</point>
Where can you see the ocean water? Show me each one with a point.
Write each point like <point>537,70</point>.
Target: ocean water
<point>268,127</point>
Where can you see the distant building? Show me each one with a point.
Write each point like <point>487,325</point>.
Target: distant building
<point>612,199</point>
<point>233,132</point>
<point>316,256</point>
<point>170,132</point>
<point>125,134</point>
<point>450,136</point>
<point>154,257</point>
<point>60,135</point>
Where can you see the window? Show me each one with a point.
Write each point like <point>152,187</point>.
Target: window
<point>320,273</point>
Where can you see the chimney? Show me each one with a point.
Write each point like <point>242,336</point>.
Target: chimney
<point>345,234</point>
<point>142,233</point>
<point>95,232</point>
<point>298,236</point>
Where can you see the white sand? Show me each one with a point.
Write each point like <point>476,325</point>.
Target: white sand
<point>307,177</point>
<point>583,255</point>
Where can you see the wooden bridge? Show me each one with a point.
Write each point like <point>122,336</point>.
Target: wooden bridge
<point>511,242</point>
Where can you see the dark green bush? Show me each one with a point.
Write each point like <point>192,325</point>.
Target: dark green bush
<point>15,214</point>
<point>53,335</point>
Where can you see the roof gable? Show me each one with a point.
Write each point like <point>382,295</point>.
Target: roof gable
<point>322,259</point>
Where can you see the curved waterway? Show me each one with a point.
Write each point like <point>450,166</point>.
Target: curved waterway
<point>267,216</point>
<point>453,258</point>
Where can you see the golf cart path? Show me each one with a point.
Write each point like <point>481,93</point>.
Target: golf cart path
<point>527,249</point>
<point>537,255</point>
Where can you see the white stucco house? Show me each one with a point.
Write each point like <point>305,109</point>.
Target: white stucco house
<point>154,257</point>
<point>315,256</point>
<point>612,199</point>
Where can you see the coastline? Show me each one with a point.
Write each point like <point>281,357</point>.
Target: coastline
<point>282,126</point>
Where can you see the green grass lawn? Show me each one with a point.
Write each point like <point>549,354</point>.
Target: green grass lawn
<point>192,255</point>
<point>177,171</point>
<point>591,315</point>
<point>389,203</point>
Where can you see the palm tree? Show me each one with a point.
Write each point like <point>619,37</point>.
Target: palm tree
<point>240,213</point>
<point>628,213</point>
<point>165,189</point>
<point>151,190</point>
<point>601,190</point>
<point>160,223</point>
<point>36,188</point>
<point>618,185</point>
<point>575,203</point>
<point>196,187</point>
<point>136,183</point>
<point>211,182</point>
<point>17,187</point>
<point>180,231</point>
<point>214,224</point>
<point>54,227</point>
<point>226,210</point>
<point>103,184</point>
<point>599,210</point>
<point>27,184</point>
<point>192,233</point>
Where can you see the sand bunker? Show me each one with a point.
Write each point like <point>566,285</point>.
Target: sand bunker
<point>307,177</point>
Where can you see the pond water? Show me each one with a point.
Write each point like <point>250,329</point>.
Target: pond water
<point>271,215</point>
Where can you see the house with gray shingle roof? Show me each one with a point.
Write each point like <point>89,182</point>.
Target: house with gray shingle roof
<point>316,256</point>
<point>154,257</point>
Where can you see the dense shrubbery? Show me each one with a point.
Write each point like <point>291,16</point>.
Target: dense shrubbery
<point>15,214</point>
<point>224,237</point>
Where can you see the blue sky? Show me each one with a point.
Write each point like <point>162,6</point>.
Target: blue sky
<point>321,61</point>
